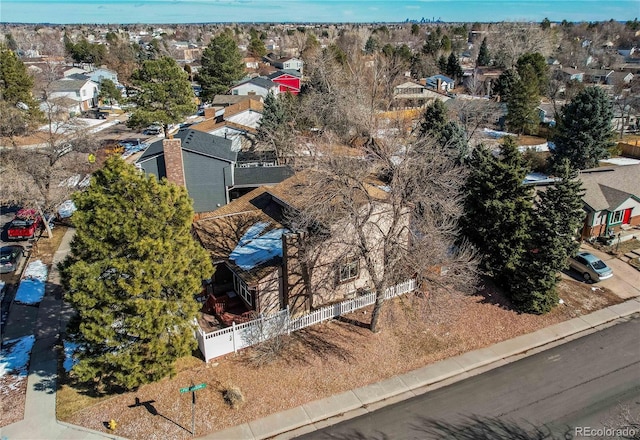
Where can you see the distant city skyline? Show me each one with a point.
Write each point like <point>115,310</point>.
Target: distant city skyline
<point>320,11</point>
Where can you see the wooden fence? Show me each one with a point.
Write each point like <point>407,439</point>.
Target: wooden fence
<point>236,337</point>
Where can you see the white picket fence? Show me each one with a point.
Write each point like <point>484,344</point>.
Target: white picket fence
<point>236,337</point>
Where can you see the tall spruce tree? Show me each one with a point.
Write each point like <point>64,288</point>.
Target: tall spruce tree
<point>221,66</point>
<point>498,209</point>
<point>556,219</point>
<point>484,58</point>
<point>585,133</point>
<point>454,70</point>
<point>522,101</point>
<point>131,277</point>
<point>433,119</point>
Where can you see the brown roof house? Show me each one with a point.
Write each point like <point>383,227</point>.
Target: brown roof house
<point>262,261</point>
<point>612,201</point>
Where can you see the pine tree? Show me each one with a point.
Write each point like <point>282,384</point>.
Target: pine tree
<point>556,219</point>
<point>585,133</point>
<point>484,58</point>
<point>453,67</point>
<point>131,277</point>
<point>371,45</point>
<point>19,108</point>
<point>505,83</point>
<point>442,64</point>
<point>164,94</point>
<point>498,209</point>
<point>221,66</point>
<point>540,68</point>
<point>433,119</point>
<point>522,103</point>
<point>256,45</point>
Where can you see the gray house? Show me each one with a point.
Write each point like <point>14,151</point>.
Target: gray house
<point>208,166</point>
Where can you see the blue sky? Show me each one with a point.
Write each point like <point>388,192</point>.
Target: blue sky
<point>199,11</point>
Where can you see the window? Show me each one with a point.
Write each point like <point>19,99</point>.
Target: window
<point>348,271</point>
<point>617,217</point>
<point>241,288</point>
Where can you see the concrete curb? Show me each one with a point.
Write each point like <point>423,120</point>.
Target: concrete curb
<point>350,404</point>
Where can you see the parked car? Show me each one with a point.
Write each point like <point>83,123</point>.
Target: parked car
<point>24,225</point>
<point>10,257</point>
<point>591,267</point>
<point>152,130</point>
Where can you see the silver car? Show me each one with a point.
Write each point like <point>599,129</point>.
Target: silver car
<point>591,267</point>
<point>10,257</point>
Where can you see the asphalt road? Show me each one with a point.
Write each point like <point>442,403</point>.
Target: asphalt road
<point>588,382</point>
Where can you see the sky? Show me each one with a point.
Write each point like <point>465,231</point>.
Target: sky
<point>324,11</point>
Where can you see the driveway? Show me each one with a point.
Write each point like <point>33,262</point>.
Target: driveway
<point>625,281</point>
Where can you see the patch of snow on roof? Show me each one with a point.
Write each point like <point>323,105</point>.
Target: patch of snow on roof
<point>621,161</point>
<point>254,248</point>
<point>15,355</point>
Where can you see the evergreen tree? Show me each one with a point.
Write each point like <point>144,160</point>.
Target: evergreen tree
<point>433,119</point>
<point>556,219</point>
<point>522,103</point>
<point>275,125</point>
<point>109,92</point>
<point>415,29</point>
<point>445,43</point>
<point>505,83</point>
<point>584,133</point>
<point>484,58</point>
<point>540,69</point>
<point>453,137</point>
<point>453,67</point>
<point>432,45</point>
<point>442,64</point>
<point>498,209</point>
<point>164,94</point>
<point>131,277</point>
<point>221,66</point>
<point>371,45</point>
<point>256,45</point>
<point>19,108</point>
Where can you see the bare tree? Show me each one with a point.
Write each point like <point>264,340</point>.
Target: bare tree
<point>475,114</point>
<point>516,39</point>
<point>393,216</point>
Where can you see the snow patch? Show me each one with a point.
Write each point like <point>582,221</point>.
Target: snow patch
<point>621,161</point>
<point>497,134</point>
<point>256,247</point>
<point>70,349</point>
<point>66,209</point>
<point>31,288</point>
<point>36,270</point>
<point>15,355</point>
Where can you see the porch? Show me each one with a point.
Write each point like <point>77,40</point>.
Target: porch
<point>222,301</point>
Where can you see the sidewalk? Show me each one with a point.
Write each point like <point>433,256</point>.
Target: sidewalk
<point>47,321</point>
<point>321,413</point>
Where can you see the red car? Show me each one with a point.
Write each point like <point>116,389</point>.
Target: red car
<point>24,225</point>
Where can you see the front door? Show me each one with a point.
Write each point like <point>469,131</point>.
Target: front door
<point>626,219</point>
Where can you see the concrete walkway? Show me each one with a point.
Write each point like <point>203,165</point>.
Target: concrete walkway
<point>321,413</point>
<point>46,322</point>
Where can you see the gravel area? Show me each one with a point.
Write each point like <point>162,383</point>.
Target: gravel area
<point>323,360</point>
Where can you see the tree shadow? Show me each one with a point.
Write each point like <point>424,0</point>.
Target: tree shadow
<point>313,340</point>
<point>148,405</point>
<point>492,294</point>
<point>355,322</point>
<point>477,427</point>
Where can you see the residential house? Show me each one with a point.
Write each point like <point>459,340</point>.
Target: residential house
<point>251,63</point>
<point>103,73</point>
<point>571,74</point>
<point>255,86</point>
<point>220,101</point>
<point>411,94</point>
<point>441,83</point>
<point>482,80</point>
<point>597,76</point>
<point>237,122</point>
<point>258,253</point>
<point>205,164</point>
<point>83,94</point>
<point>287,80</point>
<point>73,70</point>
<point>611,200</point>
<point>619,78</point>
<point>289,63</point>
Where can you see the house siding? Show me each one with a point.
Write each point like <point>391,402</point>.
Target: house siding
<point>205,179</point>
<point>154,166</point>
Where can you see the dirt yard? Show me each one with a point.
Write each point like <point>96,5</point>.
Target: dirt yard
<point>323,360</point>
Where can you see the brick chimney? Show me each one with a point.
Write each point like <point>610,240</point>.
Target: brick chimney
<point>173,162</point>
